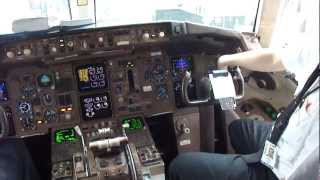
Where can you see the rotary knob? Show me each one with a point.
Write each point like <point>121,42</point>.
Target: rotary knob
<point>161,34</point>
<point>54,49</point>
<point>84,44</point>
<point>10,54</point>
<point>27,52</point>
<point>70,44</point>
<point>146,36</point>
<point>100,39</point>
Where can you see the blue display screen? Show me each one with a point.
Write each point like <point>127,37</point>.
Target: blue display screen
<point>182,64</point>
<point>3,91</point>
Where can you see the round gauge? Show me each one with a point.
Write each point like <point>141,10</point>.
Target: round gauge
<point>159,73</point>
<point>49,115</point>
<point>47,99</point>
<point>24,107</point>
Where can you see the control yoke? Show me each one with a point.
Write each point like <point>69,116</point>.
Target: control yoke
<point>205,83</point>
<point>238,80</point>
<point>186,81</point>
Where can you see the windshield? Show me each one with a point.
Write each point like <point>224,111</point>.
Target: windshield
<point>231,14</point>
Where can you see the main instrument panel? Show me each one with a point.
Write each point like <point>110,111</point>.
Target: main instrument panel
<point>66,80</point>
<point>89,77</point>
<point>91,90</point>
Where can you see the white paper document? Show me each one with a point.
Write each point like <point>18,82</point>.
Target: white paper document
<point>223,88</point>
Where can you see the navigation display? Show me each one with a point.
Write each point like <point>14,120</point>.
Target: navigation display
<point>181,64</point>
<point>65,135</point>
<point>91,77</point>
<point>3,91</point>
<point>95,106</point>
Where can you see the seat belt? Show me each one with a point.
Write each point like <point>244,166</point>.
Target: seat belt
<point>283,120</point>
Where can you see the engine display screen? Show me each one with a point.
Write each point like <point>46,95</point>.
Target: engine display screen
<point>95,106</point>
<point>65,135</point>
<point>91,77</point>
<point>3,91</point>
<point>134,123</point>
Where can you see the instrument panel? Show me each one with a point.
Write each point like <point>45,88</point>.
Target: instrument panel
<point>109,97</point>
<point>91,77</point>
<point>46,96</point>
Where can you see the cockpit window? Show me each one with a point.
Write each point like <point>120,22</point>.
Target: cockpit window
<point>231,14</point>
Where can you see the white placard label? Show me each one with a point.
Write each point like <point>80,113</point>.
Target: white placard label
<point>185,142</point>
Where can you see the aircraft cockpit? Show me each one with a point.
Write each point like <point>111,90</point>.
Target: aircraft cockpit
<point>122,101</point>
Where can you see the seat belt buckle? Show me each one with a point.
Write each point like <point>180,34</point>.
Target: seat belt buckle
<point>269,155</point>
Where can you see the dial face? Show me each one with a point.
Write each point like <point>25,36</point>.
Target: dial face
<point>49,115</point>
<point>24,107</point>
<point>47,99</point>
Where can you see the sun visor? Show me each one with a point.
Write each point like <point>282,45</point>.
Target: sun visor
<point>30,24</point>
